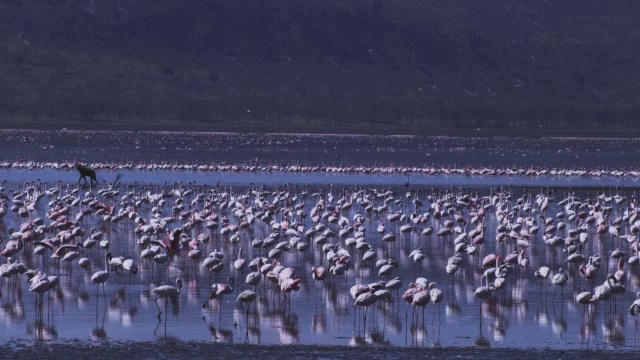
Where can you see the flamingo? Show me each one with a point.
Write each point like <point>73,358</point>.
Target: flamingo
<point>72,254</point>
<point>245,298</point>
<point>240,263</point>
<point>287,285</point>
<point>12,247</point>
<point>482,292</point>
<point>130,266</point>
<point>559,279</point>
<point>542,272</point>
<point>319,273</point>
<point>634,309</point>
<point>166,292</point>
<point>435,294</point>
<point>253,279</point>
<point>101,277</point>
<point>421,298</point>
<point>394,284</point>
<point>589,271</point>
<point>620,274</point>
<point>365,300</point>
<point>217,290</point>
<point>40,284</point>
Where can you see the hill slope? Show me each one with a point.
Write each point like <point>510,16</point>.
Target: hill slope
<point>361,64</point>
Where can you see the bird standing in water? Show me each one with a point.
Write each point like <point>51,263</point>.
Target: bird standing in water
<point>166,292</point>
<point>559,279</point>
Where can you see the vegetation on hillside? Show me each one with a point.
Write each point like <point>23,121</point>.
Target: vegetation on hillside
<point>350,63</point>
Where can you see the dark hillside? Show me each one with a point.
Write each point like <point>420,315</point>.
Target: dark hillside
<point>357,64</point>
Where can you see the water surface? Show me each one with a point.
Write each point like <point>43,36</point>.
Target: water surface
<point>526,315</point>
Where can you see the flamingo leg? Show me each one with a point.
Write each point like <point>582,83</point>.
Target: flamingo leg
<point>365,319</point>
<point>158,306</point>
<point>247,321</point>
<point>355,310</point>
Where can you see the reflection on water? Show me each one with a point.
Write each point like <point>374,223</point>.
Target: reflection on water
<point>523,311</point>
<point>198,147</point>
<point>42,331</point>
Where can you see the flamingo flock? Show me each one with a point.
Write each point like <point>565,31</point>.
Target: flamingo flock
<point>333,168</point>
<point>385,254</point>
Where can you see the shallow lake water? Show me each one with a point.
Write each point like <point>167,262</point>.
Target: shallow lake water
<point>525,315</point>
<point>192,147</point>
<point>529,313</point>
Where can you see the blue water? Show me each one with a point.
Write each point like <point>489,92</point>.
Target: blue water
<point>526,315</point>
<point>319,313</point>
<point>158,177</point>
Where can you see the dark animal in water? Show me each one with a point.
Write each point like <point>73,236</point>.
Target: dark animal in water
<point>86,172</point>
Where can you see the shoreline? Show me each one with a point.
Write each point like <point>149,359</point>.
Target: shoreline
<point>172,348</point>
<point>340,130</point>
<point>527,171</point>
<point>215,152</point>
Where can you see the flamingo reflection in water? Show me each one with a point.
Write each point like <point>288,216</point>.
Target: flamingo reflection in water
<point>245,298</point>
<point>332,229</point>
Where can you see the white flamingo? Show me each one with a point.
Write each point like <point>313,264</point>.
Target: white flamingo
<point>166,292</point>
